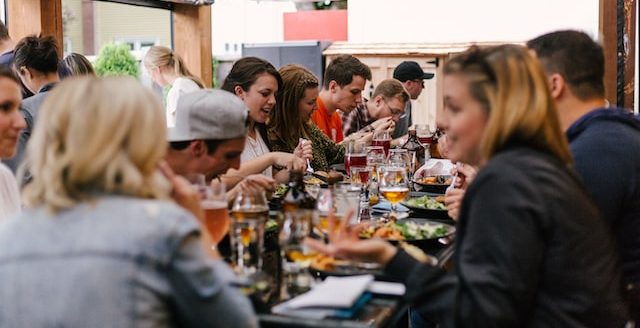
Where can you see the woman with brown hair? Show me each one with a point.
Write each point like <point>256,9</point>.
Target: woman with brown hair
<point>289,121</point>
<point>11,125</point>
<point>531,248</point>
<point>257,83</point>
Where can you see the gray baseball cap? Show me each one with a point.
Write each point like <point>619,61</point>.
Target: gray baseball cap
<point>209,114</point>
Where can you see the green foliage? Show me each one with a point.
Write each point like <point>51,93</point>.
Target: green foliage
<point>214,67</point>
<point>116,60</point>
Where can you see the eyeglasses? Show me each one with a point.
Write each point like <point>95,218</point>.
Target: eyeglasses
<point>399,112</point>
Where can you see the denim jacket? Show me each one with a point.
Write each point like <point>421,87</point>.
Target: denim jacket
<point>114,262</point>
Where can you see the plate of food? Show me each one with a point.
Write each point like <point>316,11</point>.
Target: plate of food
<point>429,205</point>
<point>435,183</point>
<point>423,233</point>
<point>323,266</point>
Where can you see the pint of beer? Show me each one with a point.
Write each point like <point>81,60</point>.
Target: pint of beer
<point>216,218</point>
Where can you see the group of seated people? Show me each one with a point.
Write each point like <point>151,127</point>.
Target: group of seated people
<point>105,228</point>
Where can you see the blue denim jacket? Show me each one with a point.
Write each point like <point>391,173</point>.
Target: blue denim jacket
<point>114,262</point>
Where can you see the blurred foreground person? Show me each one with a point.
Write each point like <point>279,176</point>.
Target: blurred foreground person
<point>11,125</point>
<point>604,141</point>
<point>531,249</point>
<point>102,243</point>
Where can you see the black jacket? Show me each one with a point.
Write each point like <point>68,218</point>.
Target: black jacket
<point>531,252</point>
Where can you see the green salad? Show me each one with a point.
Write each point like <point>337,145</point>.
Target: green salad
<point>281,189</point>
<point>408,230</point>
<point>426,202</point>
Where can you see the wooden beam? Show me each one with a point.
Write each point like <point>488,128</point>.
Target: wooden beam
<point>609,37</point>
<point>39,17</point>
<point>192,38</point>
<point>617,25</point>
<point>629,52</point>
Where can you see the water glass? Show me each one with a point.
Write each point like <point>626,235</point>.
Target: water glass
<point>296,256</point>
<point>249,214</point>
<point>347,197</point>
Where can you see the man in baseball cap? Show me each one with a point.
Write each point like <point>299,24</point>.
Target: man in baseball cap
<point>209,134</point>
<point>412,77</point>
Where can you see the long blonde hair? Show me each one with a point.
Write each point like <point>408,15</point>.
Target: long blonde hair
<point>159,56</point>
<point>96,136</point>
<point>512,87</point>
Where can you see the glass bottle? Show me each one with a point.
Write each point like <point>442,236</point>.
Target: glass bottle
<point>416,151</point>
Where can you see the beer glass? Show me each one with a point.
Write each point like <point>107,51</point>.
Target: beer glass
<point>216,214</point>
<point>394,185</point>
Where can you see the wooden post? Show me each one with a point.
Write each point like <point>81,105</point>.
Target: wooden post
<point>39,17</point>
<point>617,28</point>
<point>192,39</point>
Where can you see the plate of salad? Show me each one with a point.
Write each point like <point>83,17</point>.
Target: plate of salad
<point>428,206</point>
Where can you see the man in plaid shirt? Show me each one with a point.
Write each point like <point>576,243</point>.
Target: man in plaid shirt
<point>385,108</point>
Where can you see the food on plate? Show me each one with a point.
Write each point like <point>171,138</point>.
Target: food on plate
<point>313,180</point>
<point>323,263</point>
<point>408,230</point>
<point>427,202</point>
<point>437,179</point>
<point>281,190</point>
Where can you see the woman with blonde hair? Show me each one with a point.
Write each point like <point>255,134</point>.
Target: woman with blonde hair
<point>531,249</point>
<point>100,231</point>
<point>167,68</point>
<point>289,121</point>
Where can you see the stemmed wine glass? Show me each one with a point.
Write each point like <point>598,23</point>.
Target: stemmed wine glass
<point>394,186</point>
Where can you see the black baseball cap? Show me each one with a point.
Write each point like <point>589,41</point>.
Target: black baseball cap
<point>410,70</point>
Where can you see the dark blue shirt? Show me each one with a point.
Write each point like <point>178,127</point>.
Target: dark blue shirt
<point>606,147</point>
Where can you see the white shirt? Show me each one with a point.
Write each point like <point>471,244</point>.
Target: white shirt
<point>179,87</point>
<point>254,148</point>
<point>9,193</point>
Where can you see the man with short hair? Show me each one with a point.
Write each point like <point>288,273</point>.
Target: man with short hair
<point>209,135</point>
<point>412,77</point>
<point>342,87</point>
<point>388,101</point>
<point>604,141</point>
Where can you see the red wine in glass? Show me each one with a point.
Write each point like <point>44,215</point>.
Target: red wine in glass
<point>359,159</point>
<point>384,143</point>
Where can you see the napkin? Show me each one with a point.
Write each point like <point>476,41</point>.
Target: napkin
<point>327,298</point>
<point>385,206</point>
<point>434,167</point>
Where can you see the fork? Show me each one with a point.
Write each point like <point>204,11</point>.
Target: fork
<point>309,168</point>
